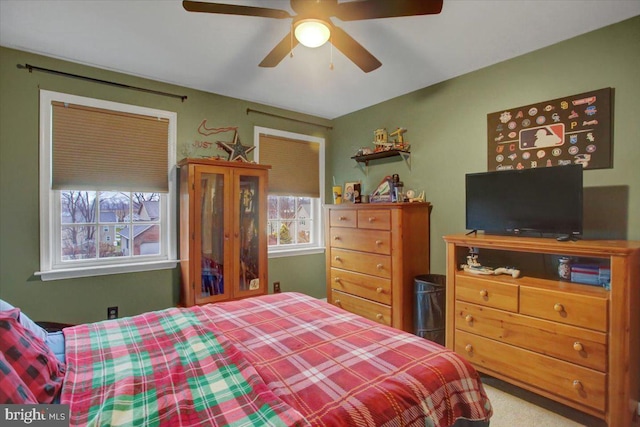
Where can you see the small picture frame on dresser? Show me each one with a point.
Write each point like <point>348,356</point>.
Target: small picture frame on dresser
<point>351,193</point>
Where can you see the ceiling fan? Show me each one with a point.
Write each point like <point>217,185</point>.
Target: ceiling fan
<point>314,17</point>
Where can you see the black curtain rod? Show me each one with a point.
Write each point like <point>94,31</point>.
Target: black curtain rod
<point>31,68</point>
<point>250,110</point>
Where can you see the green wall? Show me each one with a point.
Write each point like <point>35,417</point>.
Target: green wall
<point>447,129</point>
<point>83,300</point>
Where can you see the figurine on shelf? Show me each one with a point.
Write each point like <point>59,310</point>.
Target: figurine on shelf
<point>400,143</point>
<point>473,266</point>
<point>381,140</point>
<point>380,136</point>
<point>399,133</point>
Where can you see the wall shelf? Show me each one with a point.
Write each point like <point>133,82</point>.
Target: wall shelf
<point>366,158</point>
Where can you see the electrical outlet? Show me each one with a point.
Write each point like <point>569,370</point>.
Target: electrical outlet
<point>276,287</point>
<point>112,312</point>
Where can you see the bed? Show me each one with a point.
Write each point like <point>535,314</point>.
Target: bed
<point>283,360</point>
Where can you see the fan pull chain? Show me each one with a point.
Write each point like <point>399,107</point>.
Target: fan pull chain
<point>291,34</point>
<point>331,58</point>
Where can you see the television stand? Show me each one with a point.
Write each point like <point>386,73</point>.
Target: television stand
<point>576,344</point>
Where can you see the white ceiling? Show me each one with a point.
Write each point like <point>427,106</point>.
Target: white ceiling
<point>220,53</point>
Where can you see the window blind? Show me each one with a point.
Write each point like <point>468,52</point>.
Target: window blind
<point>294,166</point>
<point>94,148</point>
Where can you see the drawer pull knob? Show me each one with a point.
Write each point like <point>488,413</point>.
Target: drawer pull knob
<point>379,290</point>
<point>483,293</point>
<point>558,307</point>
<point>337,302</point>
<point>468,348</point>
<point>379,266</point>
<point>379,316</point>
<point>468,318</point>
<point>372,218</point>
<point>336,237</point>
<point>378,242</point>
<point>577,346</point>
<point>337,280</point>
<point>337,258</point>
<point>342,218</point>
<point>577,385</point>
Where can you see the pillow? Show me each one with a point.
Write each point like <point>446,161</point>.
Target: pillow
<point>25,321</point>
<point>12,389</point>
<point>55,341</point>
<point>30,357</point>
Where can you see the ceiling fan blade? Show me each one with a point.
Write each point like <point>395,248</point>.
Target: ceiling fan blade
<point>373,9</point>
<point>314,8</point>
<point>281,50</point>
<point>232,9</point>
<point>353,50</point>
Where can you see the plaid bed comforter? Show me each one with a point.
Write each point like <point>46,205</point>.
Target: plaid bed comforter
<point>339,369</point>
<point>171,367</point>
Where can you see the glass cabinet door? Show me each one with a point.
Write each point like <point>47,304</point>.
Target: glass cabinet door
<point>212,237</point>
<point>248,274</point>
<point>250,230</point>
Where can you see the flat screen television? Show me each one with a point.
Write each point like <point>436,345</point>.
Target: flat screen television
<point>535,201</point>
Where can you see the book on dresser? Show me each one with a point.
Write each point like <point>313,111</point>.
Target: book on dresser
<point>575,343</point>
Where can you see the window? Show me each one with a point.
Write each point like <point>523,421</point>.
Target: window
<point>294,222</point>
<point>107,178</point>
<point>290,221</point>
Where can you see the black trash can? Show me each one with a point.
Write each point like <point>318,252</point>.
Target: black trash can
<point>429,308</point>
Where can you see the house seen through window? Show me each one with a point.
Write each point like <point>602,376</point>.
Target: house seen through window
<point>130,224</point>
<point>290,220</point>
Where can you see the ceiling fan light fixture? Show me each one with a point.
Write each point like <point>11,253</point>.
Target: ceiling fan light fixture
<point>312,32</point>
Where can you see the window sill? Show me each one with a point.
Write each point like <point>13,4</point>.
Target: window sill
<point>102,270</point>
<point>281,253</point>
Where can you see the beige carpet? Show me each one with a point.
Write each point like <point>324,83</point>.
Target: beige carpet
<point>514,407</point>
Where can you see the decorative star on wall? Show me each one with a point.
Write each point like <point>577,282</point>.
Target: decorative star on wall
<point>236,150</point>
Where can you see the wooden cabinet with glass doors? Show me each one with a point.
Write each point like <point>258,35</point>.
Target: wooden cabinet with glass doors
<point>223,240</point>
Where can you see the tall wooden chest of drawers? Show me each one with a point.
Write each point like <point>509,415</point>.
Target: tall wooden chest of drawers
<point>573,343</point>
<point>374,252</point>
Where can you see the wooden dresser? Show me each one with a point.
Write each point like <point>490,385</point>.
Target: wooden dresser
<point>374,251</point>
<point>573,343</point>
